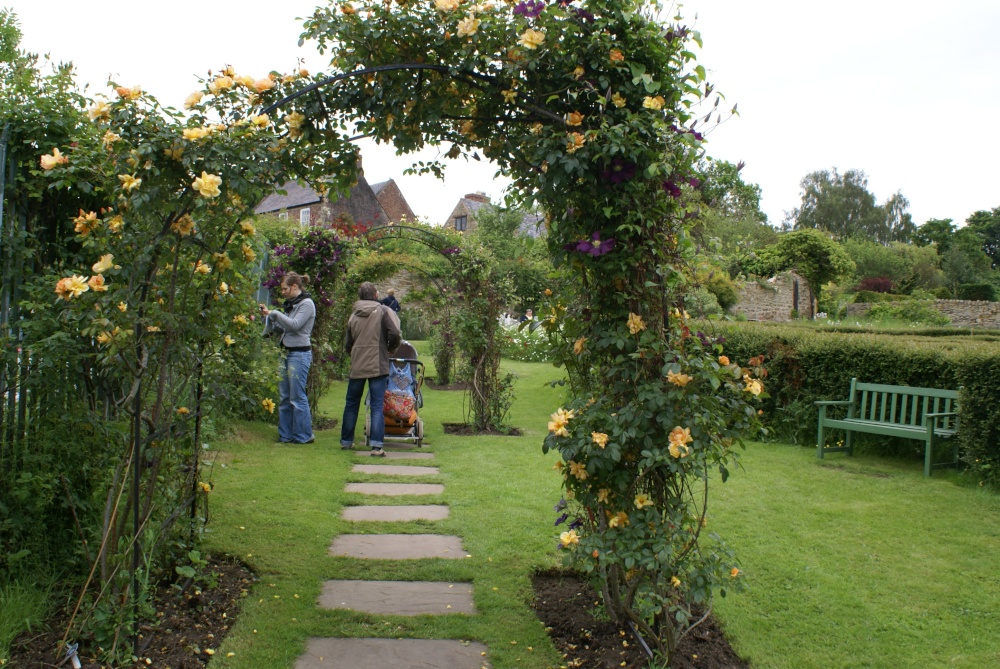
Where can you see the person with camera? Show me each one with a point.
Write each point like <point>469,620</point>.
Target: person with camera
<point>294,323</point>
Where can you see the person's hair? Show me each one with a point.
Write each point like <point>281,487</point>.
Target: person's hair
<point>390,292</point>
<point>367,291</point>
<point>293,279</point>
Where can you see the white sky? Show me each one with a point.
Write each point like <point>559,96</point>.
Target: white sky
<point>906,91</point>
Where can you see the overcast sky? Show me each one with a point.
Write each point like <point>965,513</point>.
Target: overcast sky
<point>906,91</point>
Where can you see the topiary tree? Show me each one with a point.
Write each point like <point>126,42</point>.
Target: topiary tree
<point>593,109</point>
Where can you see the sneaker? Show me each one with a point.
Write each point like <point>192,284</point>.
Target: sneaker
<point>348,447</point>
<point>377,453</point>
<point>312,440</point>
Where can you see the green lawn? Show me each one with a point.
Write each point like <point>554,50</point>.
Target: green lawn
<point>851,562</point>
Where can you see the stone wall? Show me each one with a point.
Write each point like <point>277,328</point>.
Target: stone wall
<point>963,313</point>
<point>775,299</point>
<point>402,282</point>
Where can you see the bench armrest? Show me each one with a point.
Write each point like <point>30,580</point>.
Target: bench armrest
<point>832,402</point>
<point>938,415</point>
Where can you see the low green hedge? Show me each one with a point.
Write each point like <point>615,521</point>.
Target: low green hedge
<point>808,365</point>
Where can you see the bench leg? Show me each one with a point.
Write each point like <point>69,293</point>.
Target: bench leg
<point>821,436</point>
<point>847,442</point>
<point>929,449</point>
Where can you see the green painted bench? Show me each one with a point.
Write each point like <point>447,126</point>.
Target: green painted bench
<point>924,414</point>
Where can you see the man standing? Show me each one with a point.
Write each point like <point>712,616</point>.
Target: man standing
<point>372,334</point>
<point>390,300</point>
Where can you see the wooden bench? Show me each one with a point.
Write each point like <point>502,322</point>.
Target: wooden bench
<point>924,414</point>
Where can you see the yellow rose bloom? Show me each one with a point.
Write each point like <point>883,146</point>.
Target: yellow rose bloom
<point>207,184</point>
<point>265,84</point>
<point>193,99</point>
<point>202,268</point>
<point>536,128</point>
<point>348,9</point>
<point>122,307</point>
<point>578,469</point>
<point>183,226</point>
<point>576,141</point>
<point>569,538</point>
<point>446,5</point>
<point>531,39</point>
<point>653,103</point>
<point>196,133</point>
<point>129,182</point>
<point>100,111</point>
<point>602,495</point>
<point>104,264</point>
<point>96,283</point>
<point>618,100</point>
<point>579,345</point>
<point>110,138</point>
<point>616,56</point>
<point>127,93</point>
<point>574,118</point>
<point>248,253</point>
<point>220,84</point>
<point>53,160</point>
<point>241,320</point>
<point>104,338</point>
<point>674,581</point>
<point>753,386</point>
<point>620,519</point>
<point>205,487</point>
<point>680,437</point>
<point>509,96</point>
<point>642,501</point>
<point>183,411</point>
<point>246,227</point>
<point>72,286</point>
<point>222,261</point>
<point>578,72</point>
<point>680,380</point>
<point>268,404</point>
<point>734,572</point>
<point>635,324</point>
<point>115,224</point>
<point>468,26</point>
<point>85,223</point>
<point>599,438</point>
<point>261,120</point>
<point>228,340</point>
<point>723,360</point>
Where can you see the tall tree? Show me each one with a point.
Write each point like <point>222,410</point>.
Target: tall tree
<point>842,205</point>
<point>987,225</point>
<point>935,231</point>
<point>809,252</point>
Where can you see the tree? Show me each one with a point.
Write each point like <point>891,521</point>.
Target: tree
<point>811,253</point>
<point>936,231</point>
<point>842,205</point>
<point>987,225</point>
<point>965,261</point>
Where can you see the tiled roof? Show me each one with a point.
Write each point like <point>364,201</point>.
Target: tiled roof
<point>377,188</point>
<point>297,196</point>
<point>532,225</point>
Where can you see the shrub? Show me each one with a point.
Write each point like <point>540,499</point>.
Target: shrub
<point>868,296</point>
<point>984,292</point>
<point>526,344</point>
<point>910,311</point>
<point>724,290</point>
<point>943,293</point>
<point>875,284</point>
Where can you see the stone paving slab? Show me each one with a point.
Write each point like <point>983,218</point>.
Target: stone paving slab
<point>408,455</point>
<point>395,513</point>
<point>401,598</point>
<point>395,489</point>
<point>398,546</point>
<point>391,654</point>
<point>395,470</point>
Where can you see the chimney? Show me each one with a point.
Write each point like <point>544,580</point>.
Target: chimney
<point>359,165</point>
<point>478,197</point>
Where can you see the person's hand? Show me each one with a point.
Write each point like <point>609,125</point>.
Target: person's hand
<point>264,310</point>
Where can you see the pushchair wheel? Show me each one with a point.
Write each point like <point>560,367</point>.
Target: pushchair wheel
<point>418,432</point>
<point>368,430</point>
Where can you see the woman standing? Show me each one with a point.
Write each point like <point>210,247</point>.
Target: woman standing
<point>295,325</point>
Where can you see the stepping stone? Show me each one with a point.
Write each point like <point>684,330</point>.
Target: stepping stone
<point>401,598</point>
<point>395,513</point>
<point>391,653</point>
<point>395,470</point>
<point>406,455</point>
<point>395,489</point>
<point>397,546</point>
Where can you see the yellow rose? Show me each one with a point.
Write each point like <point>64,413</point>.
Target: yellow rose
<point>680,437</point>
<point>599,438</point>
<point>653,103</point>
<point>295,120</point>
<point>246,227</point>
<point>468,26</point>
<point>616,56</point>
<point>674,581</point>
<point>734,572</point>
<point>265,84</point>
<point>228,340</point>
<point>642,501</point>
<point>348,9</point>
<point>193,99</point>
<point>183,411</point>
<point>574,118</point>
<point>129,93</point>
<point>446,5</point>
<point>196,133</point>
<point>531,39</point>
<point>122,307</point>
<point>618,100</point>
<point>104,264</point>
<point>183,226</point>
<point>569,538</point>
<point>578,345</point>
<point>96,283</point>
<point>248,253</point>
<point>723,360</point>
<point>268,404</point>
<point>71,286</point>
<point>85,223</point>
<point>509,96</point>
<point>202,268</point>
<point>620,519</point>
<point>53,160</point>
<point>261,121</point>
<point>222,261</point>
<point>635,324</point>
<point>206,488</point>
<point>220,84</point>
<point>101,110</point>
<point>578,469</point>
<point>104,338</point>
<point>116,223</point>
<point>576,141</point>
<point>578,72</point>
<point>129,182</point>
<point>602,495</point>
<point>207,184</point>
<point>679,380</point>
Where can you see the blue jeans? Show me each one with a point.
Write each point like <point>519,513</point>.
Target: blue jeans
<point>294,419</point>
<point>355,391</point>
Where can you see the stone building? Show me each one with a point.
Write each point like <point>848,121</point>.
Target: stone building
<point>463,216</point>
<point>777,299</point>
<point>392,201</point>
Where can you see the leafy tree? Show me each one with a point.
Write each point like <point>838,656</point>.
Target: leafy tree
<point>842,205</point>
<point>873,260</point>
<point>936,231</point>
<point>724,191</point>
<point>987,225</point>
<point>811,253</point>
<point>965,261</point>
<point>522,261</point>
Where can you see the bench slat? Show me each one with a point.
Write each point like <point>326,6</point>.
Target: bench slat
<point>881,413</point>
<point>892,413</point>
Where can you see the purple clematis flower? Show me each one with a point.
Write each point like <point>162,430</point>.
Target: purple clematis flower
<point>530,9</point>
<point>561,519</point>
<point>595,246</point>
<point>584,15</point>
<point>576,524</point>
<point>619,171</point>
<point>671,188</point>
<point>560,505</point>
<point>694,182</point>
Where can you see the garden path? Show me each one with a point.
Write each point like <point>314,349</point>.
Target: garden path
<point>401,598</point>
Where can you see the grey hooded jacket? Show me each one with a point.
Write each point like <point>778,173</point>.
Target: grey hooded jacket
<point>296,326</point>
<point>372,334</point>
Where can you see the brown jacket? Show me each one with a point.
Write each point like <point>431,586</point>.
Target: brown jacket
<point>372,334</point>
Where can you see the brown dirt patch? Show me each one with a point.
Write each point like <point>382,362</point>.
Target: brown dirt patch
<point>189,623</point>
<point>564,602</point>
<point>458,385</point>
<point>467,430</point>
<point>324,423</point>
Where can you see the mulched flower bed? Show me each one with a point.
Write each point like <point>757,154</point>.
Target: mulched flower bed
<point>458,385</point>
<point>565,603</point>
<point>467,430</point>
<point>191,626</point>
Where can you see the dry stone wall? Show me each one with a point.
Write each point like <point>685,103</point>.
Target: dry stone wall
<point>963,313</point>
<point>775,299</point>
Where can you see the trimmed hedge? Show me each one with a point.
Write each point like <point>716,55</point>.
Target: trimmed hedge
<point>806,365</point>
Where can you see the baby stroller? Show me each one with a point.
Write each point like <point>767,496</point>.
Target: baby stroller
<point>403,397</point>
